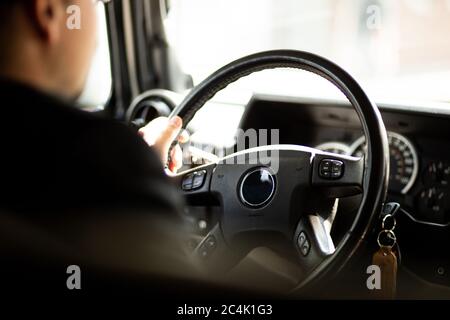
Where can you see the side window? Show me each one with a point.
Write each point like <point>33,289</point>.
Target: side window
<point>99,83</point>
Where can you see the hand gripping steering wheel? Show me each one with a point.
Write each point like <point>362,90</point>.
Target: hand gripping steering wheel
<point>287,209</point>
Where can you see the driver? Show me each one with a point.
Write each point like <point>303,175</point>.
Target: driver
<point>76,188</point>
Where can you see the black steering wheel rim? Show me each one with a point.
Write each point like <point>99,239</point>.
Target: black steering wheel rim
<point>376,171</point>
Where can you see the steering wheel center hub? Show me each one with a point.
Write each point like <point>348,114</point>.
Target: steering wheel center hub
<point>257,187</point>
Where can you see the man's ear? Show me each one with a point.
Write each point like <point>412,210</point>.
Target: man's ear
<point>49,18</point>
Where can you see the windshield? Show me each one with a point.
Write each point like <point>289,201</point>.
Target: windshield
<point>396,49</point>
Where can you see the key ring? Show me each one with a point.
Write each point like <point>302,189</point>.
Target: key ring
<point>385,218</point>
<point>390,235</point>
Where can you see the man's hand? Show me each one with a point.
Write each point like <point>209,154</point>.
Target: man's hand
<point>160,133</point>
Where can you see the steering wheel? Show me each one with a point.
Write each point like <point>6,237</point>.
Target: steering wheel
<point>290,205</point>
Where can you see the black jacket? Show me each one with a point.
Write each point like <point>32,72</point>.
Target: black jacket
<point>76,188</point>
<point>55,156</point>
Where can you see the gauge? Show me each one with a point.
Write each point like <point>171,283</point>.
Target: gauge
<point>438,173</point>
<point>334,147</point>
<point>433,205</point>
<point>404,164</point>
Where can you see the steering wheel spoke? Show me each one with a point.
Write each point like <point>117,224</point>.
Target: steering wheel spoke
<point>338,176</point>
<point>195,183</point>
<point>312,238</point>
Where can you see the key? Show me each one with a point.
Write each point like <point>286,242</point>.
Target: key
<point>386,259</point>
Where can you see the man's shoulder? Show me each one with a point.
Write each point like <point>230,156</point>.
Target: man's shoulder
<point>56,125</point>
<point>64,151</point>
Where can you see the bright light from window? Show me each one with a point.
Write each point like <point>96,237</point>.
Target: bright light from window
<point>99,82</point>
<point>396,49</point>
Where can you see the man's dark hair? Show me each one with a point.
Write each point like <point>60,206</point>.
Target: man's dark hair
<point>5,10</point>
<point>7,32</point>
<point>6,5</point>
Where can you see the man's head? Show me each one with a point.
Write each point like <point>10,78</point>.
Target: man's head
<point>48,43</point>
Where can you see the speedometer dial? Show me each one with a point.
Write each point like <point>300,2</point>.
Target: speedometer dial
<point>334,147</point>
<point>403,159</point>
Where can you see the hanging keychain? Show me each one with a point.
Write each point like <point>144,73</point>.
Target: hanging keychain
<point>385,258</point>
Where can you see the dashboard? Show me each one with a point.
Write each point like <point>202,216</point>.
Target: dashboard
<point>419,179</point>
<point>431,203</point>
<point>419,150</point>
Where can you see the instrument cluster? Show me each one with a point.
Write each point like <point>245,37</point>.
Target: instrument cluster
<point>427,189</point>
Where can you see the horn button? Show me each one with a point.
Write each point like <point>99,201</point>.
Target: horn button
<point>257,187</point>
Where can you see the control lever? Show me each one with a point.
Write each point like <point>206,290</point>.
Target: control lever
<point>390,208</point>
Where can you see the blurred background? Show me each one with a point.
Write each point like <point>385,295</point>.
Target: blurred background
<point>396,49</point>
